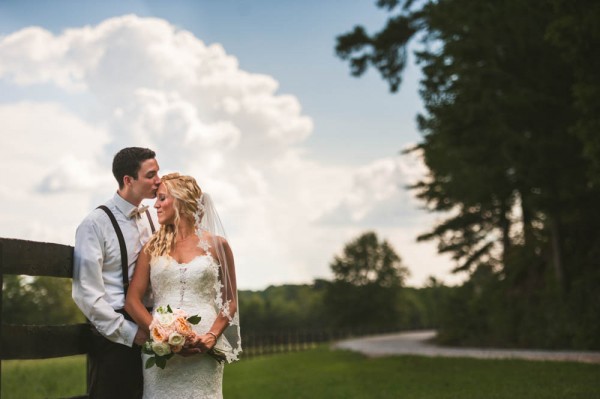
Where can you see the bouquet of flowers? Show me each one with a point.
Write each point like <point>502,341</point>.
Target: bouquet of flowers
<point>170,332</point>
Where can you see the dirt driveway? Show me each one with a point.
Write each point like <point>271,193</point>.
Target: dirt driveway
<point>416,343</point>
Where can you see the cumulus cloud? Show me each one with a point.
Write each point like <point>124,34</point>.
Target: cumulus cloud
<point>146,83</point>
<point>378,194</point>
<point>71,174</point>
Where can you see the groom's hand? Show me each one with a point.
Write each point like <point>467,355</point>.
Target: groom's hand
<point>141,337</point>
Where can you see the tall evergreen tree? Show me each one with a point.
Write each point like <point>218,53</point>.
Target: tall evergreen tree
<point>498,141</point>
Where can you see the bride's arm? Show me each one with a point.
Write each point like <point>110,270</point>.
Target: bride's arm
<point>137,289</point>
<point>209,340</point>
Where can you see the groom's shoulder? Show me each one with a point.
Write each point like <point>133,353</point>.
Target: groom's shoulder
<point>95,216</point>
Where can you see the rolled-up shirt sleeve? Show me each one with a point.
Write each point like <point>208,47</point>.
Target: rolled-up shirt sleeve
<point>88,286</point>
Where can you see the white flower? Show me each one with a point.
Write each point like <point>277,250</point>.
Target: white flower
<point>161,348</point>
<point>165,319</point>
<point>147,346</point>
<point>176,339</point>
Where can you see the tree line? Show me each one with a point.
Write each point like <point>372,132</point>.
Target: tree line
<point>511,140</point>
<point>367,294</point>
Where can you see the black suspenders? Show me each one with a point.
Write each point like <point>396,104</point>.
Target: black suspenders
<point>122,246</point>
<point>150,220</point>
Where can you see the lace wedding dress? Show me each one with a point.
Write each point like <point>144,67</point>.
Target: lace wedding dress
<point>192,287</point>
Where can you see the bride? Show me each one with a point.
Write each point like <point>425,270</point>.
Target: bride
<point>189,265</point>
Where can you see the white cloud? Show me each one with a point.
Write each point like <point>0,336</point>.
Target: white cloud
<point>377,196</point>
<point>150,84</point>
<point>71,174</point>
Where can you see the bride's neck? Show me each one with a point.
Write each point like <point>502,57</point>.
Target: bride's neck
<point>185,230</point>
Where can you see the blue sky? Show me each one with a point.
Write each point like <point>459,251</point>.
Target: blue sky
<point>291,41</point>
<point>329,160</point>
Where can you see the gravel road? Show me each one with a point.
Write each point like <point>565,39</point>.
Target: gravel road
<point>417,343</point>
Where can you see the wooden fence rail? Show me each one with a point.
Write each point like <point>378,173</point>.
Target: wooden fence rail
<point>21,257</point>
<point>270,342</point>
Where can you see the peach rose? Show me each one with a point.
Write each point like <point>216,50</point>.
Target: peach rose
<point>183,327</point>
<point>159,334</point>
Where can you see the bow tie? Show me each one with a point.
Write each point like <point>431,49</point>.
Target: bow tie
<point>137,212</point>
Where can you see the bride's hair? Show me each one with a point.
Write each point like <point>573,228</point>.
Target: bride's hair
<point>186,199</point>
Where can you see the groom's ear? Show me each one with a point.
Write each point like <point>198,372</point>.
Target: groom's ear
<point>127,180</point>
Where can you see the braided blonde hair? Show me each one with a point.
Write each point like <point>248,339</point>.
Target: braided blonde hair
<point>186,196</point>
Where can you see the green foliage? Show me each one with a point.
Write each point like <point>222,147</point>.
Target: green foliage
<point>368,278</point>
<point>305,307</point>
<point>38,300</point>
<point>420,308</point>
<point>366,261</point>
<point>286,307</point>
<point>575,33</point>
<point>511,141</point>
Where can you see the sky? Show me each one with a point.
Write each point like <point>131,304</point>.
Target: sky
<point>246,96</point>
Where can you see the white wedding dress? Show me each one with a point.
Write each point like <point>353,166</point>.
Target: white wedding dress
<point>192,287</point>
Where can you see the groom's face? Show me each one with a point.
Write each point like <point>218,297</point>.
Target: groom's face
<point>147,181</point>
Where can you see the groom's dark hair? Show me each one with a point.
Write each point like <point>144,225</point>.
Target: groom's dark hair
<point>128,161</point>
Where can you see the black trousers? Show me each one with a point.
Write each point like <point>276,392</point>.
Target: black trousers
<point>115,370</point>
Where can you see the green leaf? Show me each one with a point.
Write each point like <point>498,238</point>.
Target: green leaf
<point>169,309</point>
<point>150,362</point>
<point>195,319</point>
<point>161,361</point>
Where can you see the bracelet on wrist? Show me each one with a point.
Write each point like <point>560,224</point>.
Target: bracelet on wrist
<point>213,334</point>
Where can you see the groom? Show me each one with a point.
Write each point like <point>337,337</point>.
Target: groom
<point>107,244</point>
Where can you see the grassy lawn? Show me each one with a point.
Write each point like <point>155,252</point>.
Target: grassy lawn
<point>323,373</point>
<point>45,378</point>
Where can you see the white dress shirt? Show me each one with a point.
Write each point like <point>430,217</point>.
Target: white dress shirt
<point>97,276</point>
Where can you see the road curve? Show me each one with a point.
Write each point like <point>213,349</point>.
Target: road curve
<point>418,343</point>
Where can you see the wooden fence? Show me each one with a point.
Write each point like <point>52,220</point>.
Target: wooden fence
<point>39,342</point>
<point>271,342</point>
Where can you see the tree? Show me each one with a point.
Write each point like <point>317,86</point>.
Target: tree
<point>510,137</point>
<point>367,261</point>
<point>368,276</point>
<point>575,33</point>
<point>38,300</point>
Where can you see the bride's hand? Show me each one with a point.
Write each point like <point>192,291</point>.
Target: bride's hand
<point>191,348</point>
<point>200,344</point>
<point>206,342</point>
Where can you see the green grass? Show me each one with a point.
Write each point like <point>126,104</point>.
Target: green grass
<point>45,378</point>
<point>323,373</point>
<point>338,374</point>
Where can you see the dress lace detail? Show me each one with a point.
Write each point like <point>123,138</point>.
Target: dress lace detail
<point>192,287</point>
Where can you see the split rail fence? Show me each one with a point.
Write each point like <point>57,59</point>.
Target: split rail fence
<point>20,257</point>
